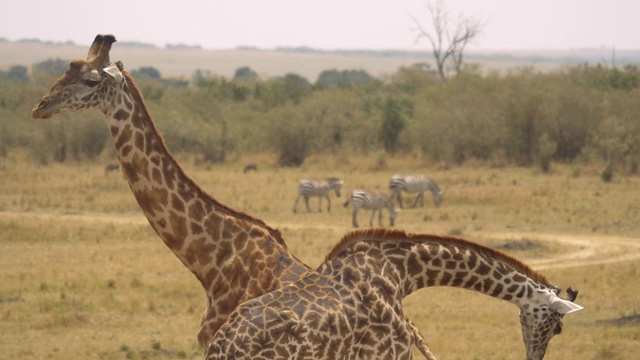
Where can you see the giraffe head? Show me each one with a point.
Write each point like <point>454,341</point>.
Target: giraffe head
<point>86,83</point>
<point>542,321</point>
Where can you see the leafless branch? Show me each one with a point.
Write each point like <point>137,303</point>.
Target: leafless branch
<point>447,42</point>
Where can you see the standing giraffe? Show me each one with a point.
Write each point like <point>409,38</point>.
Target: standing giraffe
<point>351,306</point>
<point>234,256</point>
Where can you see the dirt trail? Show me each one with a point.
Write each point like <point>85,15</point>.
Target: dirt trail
<point>587,249</point>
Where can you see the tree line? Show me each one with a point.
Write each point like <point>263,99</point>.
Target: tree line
<point>522,116</point>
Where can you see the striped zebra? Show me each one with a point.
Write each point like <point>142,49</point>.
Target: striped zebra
<point>414,184</point>
<point>371,200</point>
<point>319,188</point>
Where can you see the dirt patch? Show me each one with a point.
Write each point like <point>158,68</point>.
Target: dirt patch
<point>518,245</point>
<point>9,299</point>
<point>632,320</point>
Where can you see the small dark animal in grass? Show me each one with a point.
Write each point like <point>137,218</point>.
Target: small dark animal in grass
<point>111,167</point>
<point>250,167</point>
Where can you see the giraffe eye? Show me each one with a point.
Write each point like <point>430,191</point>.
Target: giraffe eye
<point>91,83</point>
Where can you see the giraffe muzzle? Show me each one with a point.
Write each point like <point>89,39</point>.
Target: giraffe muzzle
<point>39,111</point>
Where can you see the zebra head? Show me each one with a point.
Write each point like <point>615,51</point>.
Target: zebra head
<point>393,213</point>
<point>335,184</point>
<point>437,193</point>
<point>437,197</point>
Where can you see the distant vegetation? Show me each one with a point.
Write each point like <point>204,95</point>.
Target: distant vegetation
<point>582,113</point>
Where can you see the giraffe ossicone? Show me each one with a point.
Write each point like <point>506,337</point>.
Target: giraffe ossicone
<point>234,256</point>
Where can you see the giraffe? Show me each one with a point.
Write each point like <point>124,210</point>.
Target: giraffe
<point>234,256</point>
<point>351,306</point>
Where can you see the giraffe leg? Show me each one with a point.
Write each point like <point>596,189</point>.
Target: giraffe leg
<point>421,343</point>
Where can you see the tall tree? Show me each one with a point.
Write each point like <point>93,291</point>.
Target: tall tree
<point>448,36</point>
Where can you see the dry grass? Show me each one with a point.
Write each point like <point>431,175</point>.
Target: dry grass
<point>84,276</point>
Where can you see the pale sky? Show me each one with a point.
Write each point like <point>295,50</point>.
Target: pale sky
<point>324,24</point>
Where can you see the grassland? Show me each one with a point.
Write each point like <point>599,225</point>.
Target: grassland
<point>84,276</point>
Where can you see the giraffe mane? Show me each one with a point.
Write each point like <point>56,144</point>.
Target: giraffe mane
<point>392,235</point>
<point>137,95</point>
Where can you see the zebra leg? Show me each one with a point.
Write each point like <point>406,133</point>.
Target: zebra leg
<point>380,217</point>
<point>354,220</point>
<point>295,204</point>
<point>400,201</point>
<point>373,213</point>
<point>306,202</point>
<point>419,197</point>
<point>328,204</point>
<point>320,204</point>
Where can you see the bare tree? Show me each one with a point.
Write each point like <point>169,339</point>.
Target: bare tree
<point>448,37</point>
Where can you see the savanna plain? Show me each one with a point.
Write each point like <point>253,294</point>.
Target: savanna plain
<point>84,276</point>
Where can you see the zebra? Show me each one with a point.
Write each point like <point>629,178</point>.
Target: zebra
<point>319,188</point>
<point>375,201</point>
<point>414,184</point>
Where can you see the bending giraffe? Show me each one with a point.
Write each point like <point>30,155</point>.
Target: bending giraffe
<point>351,306</point>
<point>234,256</point>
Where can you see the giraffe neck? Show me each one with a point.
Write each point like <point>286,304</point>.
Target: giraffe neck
<point>416,262</point>
<point>200,231</point>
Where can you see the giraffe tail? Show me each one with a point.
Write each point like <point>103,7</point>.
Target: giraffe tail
<point>421,343</point>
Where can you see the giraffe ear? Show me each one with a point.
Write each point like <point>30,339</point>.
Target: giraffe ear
<point>563,306</point>
<point>114,71</point>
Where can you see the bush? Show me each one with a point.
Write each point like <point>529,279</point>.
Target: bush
<point>607,173</point>
<point>392,124</point>
<point>291,137</point>
<point>523,117</point>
